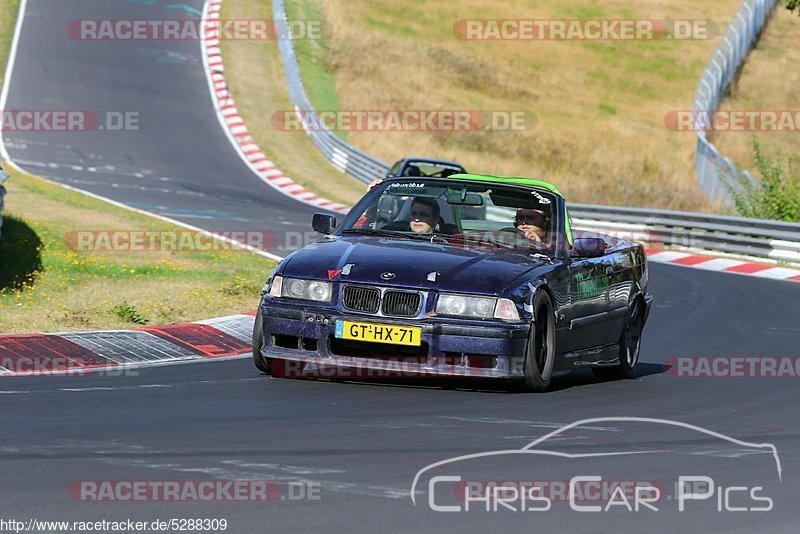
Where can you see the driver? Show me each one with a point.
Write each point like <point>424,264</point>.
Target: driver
<point>425,219</point>
<point>532,223</point>
<point>424,216</point>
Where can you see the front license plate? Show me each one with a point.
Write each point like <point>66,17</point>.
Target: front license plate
<point>379,333</point>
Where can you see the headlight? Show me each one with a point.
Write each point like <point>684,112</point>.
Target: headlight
<point>297,288</point>
<point>477,307</point>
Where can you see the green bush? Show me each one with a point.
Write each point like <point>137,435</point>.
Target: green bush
<point>776,196</point>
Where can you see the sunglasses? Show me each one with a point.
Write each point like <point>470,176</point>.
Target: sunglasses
<point>421,214</point>
<point>535,219</point>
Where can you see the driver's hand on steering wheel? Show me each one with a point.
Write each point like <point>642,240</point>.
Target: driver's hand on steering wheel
<point>534,233</point>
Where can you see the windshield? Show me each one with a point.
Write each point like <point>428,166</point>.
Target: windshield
<point>460,213</point>
<point>429,169</point>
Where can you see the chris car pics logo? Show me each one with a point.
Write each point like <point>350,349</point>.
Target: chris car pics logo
<point>449,491</point>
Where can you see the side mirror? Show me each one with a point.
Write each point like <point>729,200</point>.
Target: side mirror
<point>589,247</point>
<point>323,223</point>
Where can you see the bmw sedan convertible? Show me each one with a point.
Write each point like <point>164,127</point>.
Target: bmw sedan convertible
<point>416,280</point>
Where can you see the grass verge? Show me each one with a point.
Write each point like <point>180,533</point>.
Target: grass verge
<point>255,76</point>
<point>768,81</point>
<point>8,19</point>
<point>47,285</point>
<point>600,106</point>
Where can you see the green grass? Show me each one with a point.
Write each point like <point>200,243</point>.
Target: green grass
<point>317,65</point>
<point>47,284</point>
<point>8,18</point>
<point>607,109</point>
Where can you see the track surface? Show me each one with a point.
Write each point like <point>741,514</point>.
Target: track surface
<point>179,163</point>
<point>362,442</point>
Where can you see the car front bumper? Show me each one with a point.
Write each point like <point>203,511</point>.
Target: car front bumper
<point>449,347</point>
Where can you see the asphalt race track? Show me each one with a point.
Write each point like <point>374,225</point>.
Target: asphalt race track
<point>356,446</point>
<point>179,163</point>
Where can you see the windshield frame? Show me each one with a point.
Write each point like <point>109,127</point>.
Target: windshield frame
<point>560,246</point>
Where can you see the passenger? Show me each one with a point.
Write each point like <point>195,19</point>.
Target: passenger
<point>532,223</point>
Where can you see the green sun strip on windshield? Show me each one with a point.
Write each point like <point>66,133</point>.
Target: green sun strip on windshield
<point>508,180</point>
<point>530,182</point>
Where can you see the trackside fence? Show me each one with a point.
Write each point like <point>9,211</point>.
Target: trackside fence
<point>715,171</point>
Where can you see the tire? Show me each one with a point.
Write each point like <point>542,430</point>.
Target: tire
<point>630,344</point>
<point>541,350</point>
<point>262,364</point>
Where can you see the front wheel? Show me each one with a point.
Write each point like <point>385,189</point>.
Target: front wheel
<point>541,350</point>
<point>262,364</point>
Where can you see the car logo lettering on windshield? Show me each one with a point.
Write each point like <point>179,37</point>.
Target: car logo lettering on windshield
<point>388,276</point>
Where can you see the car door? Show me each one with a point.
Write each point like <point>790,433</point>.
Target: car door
<point>618,265</point>
<point>588,314</point>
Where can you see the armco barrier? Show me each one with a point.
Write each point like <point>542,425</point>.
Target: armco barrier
<point>714,170</point>
<point>343,156</point>
<point>735,235</point>
<point>773,240</point>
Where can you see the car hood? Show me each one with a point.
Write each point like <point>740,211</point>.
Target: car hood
<point>414,264</point>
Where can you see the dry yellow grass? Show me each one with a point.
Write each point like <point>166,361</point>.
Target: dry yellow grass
<point>255,75</point>
<point>600,106</point>
<point>768,81</point>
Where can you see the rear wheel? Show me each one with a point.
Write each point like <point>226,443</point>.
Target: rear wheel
<point>629,345</point>
<point>262,364</point>
<point>541,350</point>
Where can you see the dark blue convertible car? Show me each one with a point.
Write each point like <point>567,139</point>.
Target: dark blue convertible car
<point>416,280</point>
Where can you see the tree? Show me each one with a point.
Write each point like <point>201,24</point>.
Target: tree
<point>791,5</point>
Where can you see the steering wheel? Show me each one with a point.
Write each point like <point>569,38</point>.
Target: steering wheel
<point>519,233</point>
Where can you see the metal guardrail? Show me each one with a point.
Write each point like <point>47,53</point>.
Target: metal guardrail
<point>342,155</point>
<point>735,235</point>
<point>758,238</point>
<point>714,170</point>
